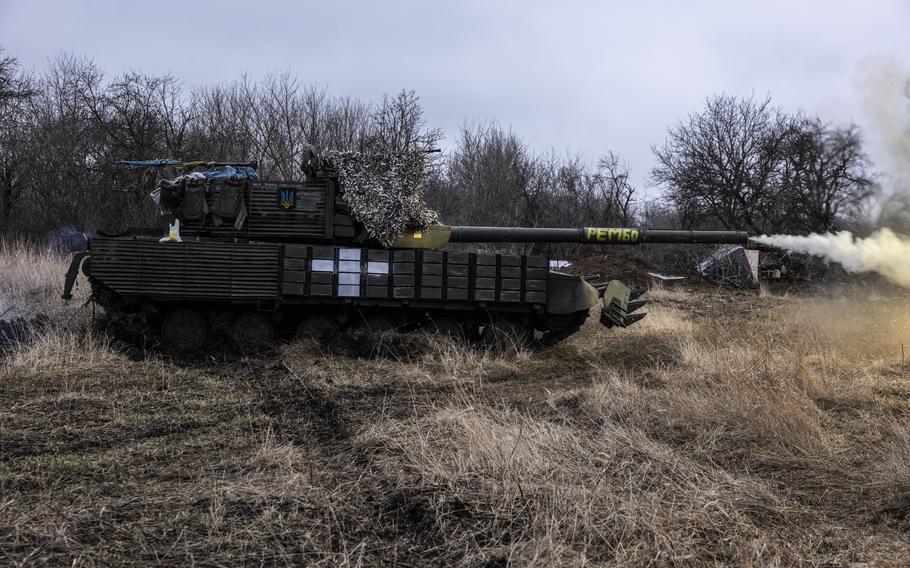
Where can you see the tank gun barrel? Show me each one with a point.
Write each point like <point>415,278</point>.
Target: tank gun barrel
<point>593,235</point>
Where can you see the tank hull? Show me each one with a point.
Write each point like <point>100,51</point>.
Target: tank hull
<point>288,283</point>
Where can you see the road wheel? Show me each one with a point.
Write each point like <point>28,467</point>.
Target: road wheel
<point>184,331</point>
<point>318,328</point>
<point>252,331</point>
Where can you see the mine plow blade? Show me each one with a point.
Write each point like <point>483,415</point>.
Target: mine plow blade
<point>619,305</point>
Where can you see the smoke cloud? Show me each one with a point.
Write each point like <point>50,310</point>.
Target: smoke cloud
<point>886,93</point>
<point>885,85</point>
<point>884,252</point>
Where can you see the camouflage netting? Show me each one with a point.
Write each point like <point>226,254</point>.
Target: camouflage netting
<point>384,192</point>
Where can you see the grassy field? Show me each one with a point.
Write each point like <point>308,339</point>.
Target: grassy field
<point>724,429</point>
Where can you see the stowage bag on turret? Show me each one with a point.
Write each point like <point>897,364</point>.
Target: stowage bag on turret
<point>170,194</point>
<point>194,206</point>
<point>229,204</point>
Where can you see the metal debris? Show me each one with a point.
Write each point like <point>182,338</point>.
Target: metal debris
<point>732,264</point>
<point>665,278</point>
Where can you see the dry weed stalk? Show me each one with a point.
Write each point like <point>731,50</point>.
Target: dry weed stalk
<point>31,280</point>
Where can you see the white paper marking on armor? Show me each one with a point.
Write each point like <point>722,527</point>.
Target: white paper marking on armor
<point>323,266</point>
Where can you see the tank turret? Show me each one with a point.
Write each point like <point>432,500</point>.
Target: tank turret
<point>258,259</point>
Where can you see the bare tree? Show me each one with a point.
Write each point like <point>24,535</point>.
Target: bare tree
<point>398,124</point>
<point>62,149</point>
<point>617,192</point>
<point>723,166</point>
<point>487,178</point>
<point>15,91</point>
<point>13,86</point>
<point>491,178</point>
<point>742,163</point>
<point>221,126</point>
<point>346,124</point>
<point>826,176</point>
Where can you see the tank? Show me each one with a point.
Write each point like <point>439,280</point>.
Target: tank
<point>300,263</point>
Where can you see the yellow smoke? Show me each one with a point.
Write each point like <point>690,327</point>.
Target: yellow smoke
<point>884,252</point>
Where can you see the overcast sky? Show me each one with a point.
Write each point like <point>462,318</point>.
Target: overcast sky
<point>585,77</point>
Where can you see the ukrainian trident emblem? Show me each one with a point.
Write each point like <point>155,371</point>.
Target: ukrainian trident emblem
<point>287,197</point>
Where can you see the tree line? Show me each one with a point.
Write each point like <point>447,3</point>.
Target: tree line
<point>743,163</point>
<point>738,163</point>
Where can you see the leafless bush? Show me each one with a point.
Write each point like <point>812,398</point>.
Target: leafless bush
<point>492,178</point>
<point>742,163</point>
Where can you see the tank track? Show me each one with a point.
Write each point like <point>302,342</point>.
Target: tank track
<point>184,328</point>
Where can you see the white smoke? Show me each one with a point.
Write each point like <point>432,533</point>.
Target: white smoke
<point>884,252</point>
<point>885,85</point>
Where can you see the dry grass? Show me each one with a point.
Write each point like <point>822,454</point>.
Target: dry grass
<point>725,429</point>
<point>31,280</point>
